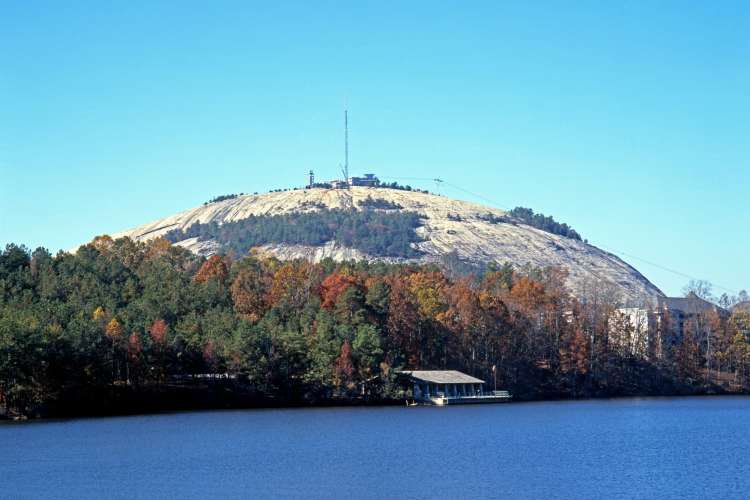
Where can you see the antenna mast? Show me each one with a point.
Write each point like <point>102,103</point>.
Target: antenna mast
<point>346,147</point>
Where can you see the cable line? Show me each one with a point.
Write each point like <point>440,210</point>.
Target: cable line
<point>608,248</point>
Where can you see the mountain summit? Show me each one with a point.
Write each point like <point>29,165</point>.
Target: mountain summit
<point>394,225</point>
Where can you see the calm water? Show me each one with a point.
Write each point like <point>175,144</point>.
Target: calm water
<point>647,448</point>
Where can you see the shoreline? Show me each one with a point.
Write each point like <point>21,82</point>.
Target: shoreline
<point>146,406</point>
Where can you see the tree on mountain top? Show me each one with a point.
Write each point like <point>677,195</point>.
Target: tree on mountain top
<point>103,244</point>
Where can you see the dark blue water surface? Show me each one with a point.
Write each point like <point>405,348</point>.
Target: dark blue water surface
<point>633,448</point>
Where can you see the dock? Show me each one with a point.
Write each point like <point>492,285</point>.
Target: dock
<point>494,397</point>
<point>450,387</point>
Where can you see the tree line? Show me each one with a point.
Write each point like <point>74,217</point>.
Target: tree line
<point>223,197</point>
<point>124,314</point>
<point>544,222</point>
<point>387,234</point>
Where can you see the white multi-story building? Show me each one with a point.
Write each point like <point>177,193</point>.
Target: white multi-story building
<point>645,331</point>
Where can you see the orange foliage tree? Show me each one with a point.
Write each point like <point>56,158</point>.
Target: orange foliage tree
<point>293,284</point>
<point>215,267</point>
<point>113,330</point>
<point>402,324</point>
<point>249,293</point>
<point>344,366</point>
<point>333,286</point>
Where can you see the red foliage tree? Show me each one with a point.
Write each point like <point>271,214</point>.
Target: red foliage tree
<point>333,286</point>
<point>214,268</point>
<point>134,346</point>
<point>158,331</point>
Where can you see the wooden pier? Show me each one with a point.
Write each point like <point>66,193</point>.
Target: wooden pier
<point>496,397</point>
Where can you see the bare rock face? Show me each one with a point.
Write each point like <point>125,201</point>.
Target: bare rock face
<point>449,225</point>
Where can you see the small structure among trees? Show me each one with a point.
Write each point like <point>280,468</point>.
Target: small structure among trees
<point>368,180</point>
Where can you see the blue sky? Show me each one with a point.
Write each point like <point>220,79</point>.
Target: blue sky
<point>630,122</point>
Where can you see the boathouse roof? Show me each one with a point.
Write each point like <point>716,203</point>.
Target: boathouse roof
<point>442,377</point>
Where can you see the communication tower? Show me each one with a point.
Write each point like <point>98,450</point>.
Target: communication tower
<point>345,170</point>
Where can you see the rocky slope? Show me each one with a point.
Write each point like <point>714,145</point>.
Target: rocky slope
<point>449,226</point>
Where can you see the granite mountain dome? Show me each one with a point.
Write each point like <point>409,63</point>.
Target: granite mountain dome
<point>475,233</point>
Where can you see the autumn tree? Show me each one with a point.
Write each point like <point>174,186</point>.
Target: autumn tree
<point>158,332</point>
<point>114,330</point>
<point>100,316</point>
<point>249,291</point>
<point>739,327</point>
<point>575,351</point>
<point>134,350</point>
<point>344,366</point>
<point>402,326</point>
<point>103,244</point>
<point>298,331</point>
<point>292,285</point>
<point>215,268</point>
<point>134,346</point>
<point>333,286</point>
<point>471,339</point>
<point>157,247</point>
<point>428,290</point>
<point>527,298</point>
<point>498,279</point>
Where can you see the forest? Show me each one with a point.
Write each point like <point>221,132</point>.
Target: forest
<point>387,234</point>
<point>122,326</point>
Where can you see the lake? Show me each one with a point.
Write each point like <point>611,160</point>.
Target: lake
<point>629,448</point>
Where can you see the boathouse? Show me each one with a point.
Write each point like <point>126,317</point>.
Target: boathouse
<point>442,387</point>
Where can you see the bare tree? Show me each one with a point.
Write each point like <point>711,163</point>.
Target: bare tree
<point>700,288</point>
